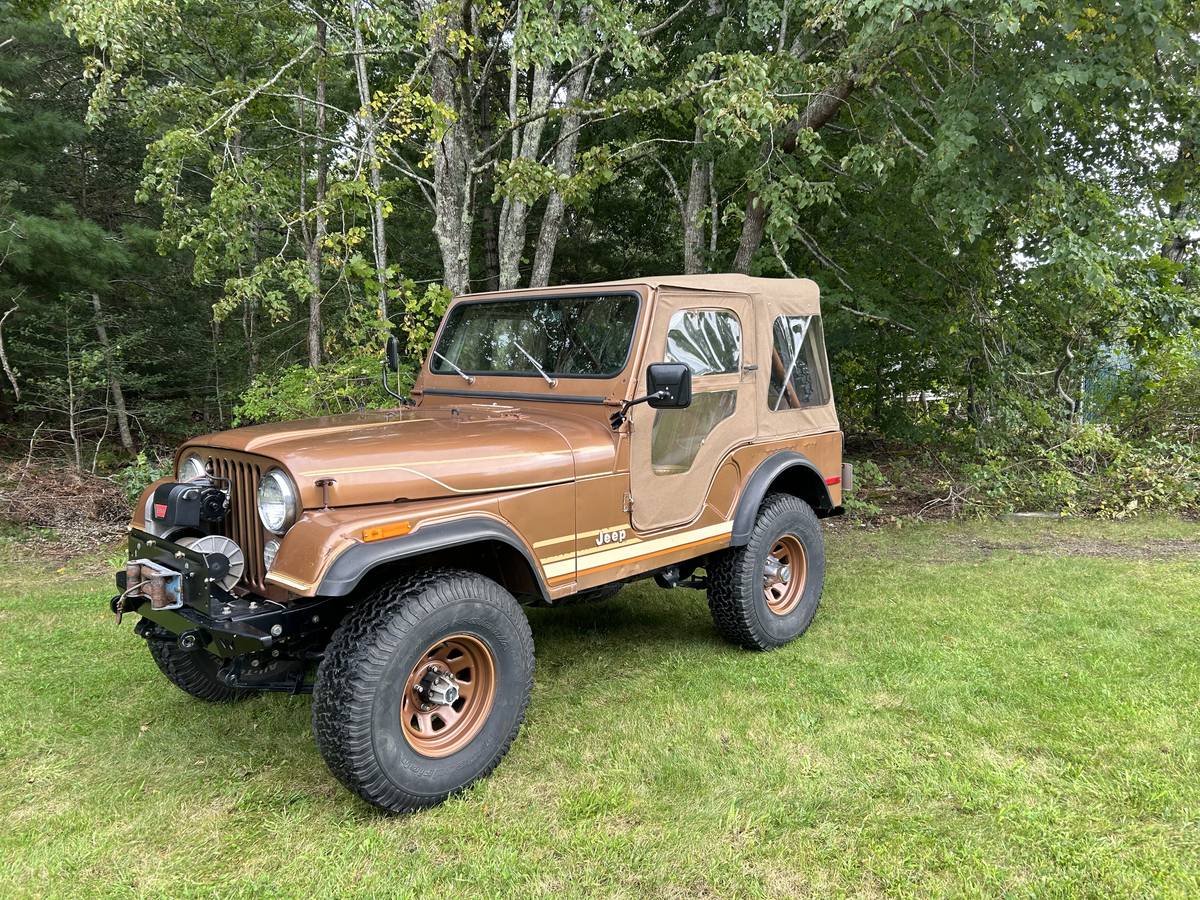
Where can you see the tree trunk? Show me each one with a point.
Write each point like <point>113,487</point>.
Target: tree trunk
<point>491,247</point>
<point>564,166</point>
<point>820,111</point>
<point>526,145</point>
<point>452,157</point>
<point>367,125</point>
<point>487,206</point>
<point>114,382</point>
<point>72,431</point>
<point>317,237</point>
<point>693,210</point>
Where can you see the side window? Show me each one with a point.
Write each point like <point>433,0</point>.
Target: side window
<point>709,341</point>
<point>798,377</point>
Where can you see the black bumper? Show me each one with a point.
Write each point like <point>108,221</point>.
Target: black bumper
<point>186,606</point>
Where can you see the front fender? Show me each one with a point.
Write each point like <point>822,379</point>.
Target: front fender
<point>358,560</point>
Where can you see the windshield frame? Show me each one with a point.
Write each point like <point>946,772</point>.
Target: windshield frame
<point>532,373</point>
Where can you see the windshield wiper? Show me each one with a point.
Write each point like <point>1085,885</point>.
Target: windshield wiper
<point>468,378</point>
<point>550,381</point>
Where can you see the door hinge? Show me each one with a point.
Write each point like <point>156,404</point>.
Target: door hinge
<point>628,504</point>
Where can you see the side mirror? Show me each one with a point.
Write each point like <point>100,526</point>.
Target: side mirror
<point>392,354</point>
<point>669,385</point>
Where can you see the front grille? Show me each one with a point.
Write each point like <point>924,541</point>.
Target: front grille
<point>242,524</point>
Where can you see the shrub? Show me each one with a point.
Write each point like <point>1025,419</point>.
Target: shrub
<point>145,468</point>
<point>299,392</point>
<point>1092,472</point>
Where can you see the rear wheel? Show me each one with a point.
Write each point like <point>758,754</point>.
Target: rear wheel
<point>423,688</point>
<point>195,672</point>
<point>766,593</point>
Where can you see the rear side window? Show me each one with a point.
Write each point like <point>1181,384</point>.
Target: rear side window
<point>798,377</point>
<point>708,340</point>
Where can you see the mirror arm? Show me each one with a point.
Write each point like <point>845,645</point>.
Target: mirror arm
<point>618,418</point>
<point>383,379</point>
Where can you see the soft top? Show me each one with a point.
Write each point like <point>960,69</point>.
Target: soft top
<point>800,295</point>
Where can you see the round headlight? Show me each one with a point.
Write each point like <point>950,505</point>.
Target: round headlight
<point>191,467</point>
<point>278,504</point>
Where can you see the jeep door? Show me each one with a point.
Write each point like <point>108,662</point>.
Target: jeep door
<point>674,453</point>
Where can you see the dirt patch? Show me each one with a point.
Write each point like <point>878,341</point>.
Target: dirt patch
<point>65,510</point>
<point>1046,544</point>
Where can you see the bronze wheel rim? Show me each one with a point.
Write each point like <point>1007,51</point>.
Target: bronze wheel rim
<point>438,729</point>
<point>785,574</point>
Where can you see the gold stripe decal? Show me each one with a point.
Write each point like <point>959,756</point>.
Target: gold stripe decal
<point>605,558</point>
<point>391,467</point>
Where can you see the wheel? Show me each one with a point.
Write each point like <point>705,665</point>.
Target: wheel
<point>594,595</point>
<point>766,593</point>
<point>423,688</point>
<point>194,671</point>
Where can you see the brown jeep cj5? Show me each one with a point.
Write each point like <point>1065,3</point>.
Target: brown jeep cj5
<point>561,442</point>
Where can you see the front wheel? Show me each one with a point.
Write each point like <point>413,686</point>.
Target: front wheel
<point>196,672</point>
<point>766,593</point>
<point>423,688</point>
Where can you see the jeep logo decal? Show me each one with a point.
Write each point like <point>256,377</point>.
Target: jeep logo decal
<point>615,536</point>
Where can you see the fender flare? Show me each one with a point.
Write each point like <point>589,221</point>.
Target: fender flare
<point>355,563</point>
<point>760,482</point>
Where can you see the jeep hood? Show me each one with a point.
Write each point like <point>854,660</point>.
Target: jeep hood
<point>418,454</point>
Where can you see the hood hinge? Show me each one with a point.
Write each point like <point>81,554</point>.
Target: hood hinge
<point>627,506</point>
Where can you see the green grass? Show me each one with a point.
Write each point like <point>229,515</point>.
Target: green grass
<point>977,709</point>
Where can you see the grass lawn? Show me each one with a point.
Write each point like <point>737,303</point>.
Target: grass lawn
<point>977,709</point>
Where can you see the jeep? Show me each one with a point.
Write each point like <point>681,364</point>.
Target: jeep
<point>558,443</point>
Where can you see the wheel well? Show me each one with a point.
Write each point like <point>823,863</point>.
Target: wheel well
<point>805,483</point>
<point>494,559</point>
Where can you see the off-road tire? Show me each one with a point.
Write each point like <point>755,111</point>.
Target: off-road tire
<point>195,672</point>
<point>362,677</point>
<point>594,595</point>
<point>735,578</point>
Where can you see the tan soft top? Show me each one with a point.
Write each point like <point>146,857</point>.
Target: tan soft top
<point>798,295</point>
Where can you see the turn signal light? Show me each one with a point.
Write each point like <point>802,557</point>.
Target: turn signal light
<point>379,532</point>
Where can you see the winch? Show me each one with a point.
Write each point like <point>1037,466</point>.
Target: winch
<point>223,556</point>
<point>187,504</point>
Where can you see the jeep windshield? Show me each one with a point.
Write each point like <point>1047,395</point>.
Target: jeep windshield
<point>562,337</point>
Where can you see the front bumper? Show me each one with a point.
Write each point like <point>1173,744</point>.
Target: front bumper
<point>171,587</point>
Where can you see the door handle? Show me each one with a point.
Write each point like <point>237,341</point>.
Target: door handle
<point>752,367</point>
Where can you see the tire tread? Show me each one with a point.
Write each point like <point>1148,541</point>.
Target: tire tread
<point>734,574</point>
<point>355,660</point>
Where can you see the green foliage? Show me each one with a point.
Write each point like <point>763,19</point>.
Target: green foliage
<point>1154,394</point>
<point>146,466</point>
<point>1093,472</point>
<point>299,392</point>
<point>867,476</point>
<point>998,200</point>
<point>420,312</point>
